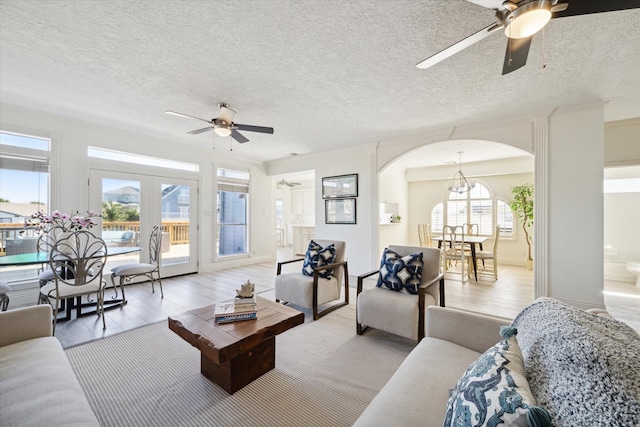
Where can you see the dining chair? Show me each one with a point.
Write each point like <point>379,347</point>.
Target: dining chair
<point>46,241</point>
<point>491,255</point>
<point>126,272</point>
<point>453,250</point>
<point>4,298</point>
<point>319,283</point>
<point>424,234</point>
<point>77,261</point>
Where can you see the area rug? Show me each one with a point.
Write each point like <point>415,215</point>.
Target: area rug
<point>325,375</point>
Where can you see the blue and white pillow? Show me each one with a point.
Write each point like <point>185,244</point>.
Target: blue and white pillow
<point>494,390</point>
<point>400,272</point>
<point>317,256</point>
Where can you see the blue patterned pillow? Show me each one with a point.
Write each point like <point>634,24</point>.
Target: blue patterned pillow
<point>494,390</point>
<point>317,256</point>
<point>398,272</point>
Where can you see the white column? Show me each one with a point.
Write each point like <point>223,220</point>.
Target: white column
<point>541,206</point>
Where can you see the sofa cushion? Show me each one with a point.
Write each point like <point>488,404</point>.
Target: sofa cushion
<point>38,386</point>
<point>494,390</point>
<point>317,256</point>
<point>417,393</point>
<point>400,272</point>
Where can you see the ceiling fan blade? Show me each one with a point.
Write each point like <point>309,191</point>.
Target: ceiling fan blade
<point>186,115</point>
<point>197,131</point>
<point>226,113</point>
<point>251,128</point>
<point>585,7</point>
<point>457,47</point>
<point>238,136</point>
<point>516,54</point>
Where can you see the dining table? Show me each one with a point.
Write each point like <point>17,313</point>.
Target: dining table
<point>34,258</point>
<point>472,240</point>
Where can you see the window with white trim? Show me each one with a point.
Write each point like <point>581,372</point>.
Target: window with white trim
<point>232,212</point>
<point>477,206</point>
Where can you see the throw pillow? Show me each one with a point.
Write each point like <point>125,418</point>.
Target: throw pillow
<point>494,390</point>
<point>400,272</point>
<point>317,256</point>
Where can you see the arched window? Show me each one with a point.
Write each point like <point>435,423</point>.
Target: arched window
<point>474,207</point>
<point>504,218</point>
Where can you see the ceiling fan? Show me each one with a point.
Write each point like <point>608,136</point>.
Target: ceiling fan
<point>282,182</point>
<point>521,19</point>
<point>223,125</point>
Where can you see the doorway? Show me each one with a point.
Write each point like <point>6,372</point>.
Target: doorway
<point>131,204</point>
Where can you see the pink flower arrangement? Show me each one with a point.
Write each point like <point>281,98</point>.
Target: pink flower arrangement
<point>67,222</point>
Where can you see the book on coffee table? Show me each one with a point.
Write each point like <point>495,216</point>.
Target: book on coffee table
<point>237,317</point>
<point>228,308</point>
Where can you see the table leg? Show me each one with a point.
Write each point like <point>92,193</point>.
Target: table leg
<point>242,369</point>
<point>473,257</point>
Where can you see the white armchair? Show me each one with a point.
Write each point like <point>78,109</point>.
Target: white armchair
<point>398,311</point>
<point>315,291</point>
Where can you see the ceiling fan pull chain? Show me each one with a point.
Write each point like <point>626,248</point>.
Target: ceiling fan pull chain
<point>509,43</point>
<point>544,51</point>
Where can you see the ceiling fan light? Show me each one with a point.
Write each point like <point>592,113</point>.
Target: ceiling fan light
<point>528,19</point>
<point>222,129</point>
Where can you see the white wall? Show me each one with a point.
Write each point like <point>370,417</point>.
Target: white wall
<point>361,237</point>
<point>575,205</point>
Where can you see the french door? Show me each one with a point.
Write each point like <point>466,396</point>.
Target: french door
<point>132,204</point>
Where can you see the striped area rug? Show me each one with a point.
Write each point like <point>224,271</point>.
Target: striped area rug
<point>325,375</point>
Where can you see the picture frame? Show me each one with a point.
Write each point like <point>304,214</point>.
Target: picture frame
<point>339,187</point>
<point>340,211</point>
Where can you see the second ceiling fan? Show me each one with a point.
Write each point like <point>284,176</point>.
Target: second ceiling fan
<point>223,125</point>
<point>521,19</point>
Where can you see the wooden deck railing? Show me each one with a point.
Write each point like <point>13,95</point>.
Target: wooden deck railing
<point>178,231</point>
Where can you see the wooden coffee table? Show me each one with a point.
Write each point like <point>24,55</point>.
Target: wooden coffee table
<point>234,354</point>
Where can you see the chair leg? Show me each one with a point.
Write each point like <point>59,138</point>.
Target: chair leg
<point>55,316</point>
<point>160,283</point>
<point>101,307</point>
<point>5,302</point>
<point>124,299</point>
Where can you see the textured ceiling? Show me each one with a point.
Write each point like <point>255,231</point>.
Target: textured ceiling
<point>323,73</point>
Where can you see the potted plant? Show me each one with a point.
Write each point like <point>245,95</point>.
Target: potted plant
<point>522,205</point>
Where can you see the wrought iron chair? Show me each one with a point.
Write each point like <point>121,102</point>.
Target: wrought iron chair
<point>46,241</point>
<point>315,291</point>
<point>126,272</point>
<point>4,298</point>
<point>77,261</point>
<point>398,311</point>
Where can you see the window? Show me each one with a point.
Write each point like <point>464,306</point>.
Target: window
<point>24,190</point>
<point>232,212</point>
<point>504,216</point>
<point>473,207</point>
<point>138,159</point>
<point>24,176</point>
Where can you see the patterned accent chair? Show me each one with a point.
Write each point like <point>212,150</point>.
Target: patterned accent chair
<point>313,291</point>
<point>401,312</point>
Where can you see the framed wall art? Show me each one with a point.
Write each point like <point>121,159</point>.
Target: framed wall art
<point>340,186</point>
<point>340,211</point>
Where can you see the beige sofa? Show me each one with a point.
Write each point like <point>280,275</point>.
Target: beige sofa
<point>417,394</point>
<point>37,384</point>
<point>582,367</point>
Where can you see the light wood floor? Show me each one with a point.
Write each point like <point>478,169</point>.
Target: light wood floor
<point>505,297</point>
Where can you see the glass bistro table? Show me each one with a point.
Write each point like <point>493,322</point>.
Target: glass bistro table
<point>34,258</point>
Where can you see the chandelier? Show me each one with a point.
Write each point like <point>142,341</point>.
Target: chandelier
<point>459,183</point>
